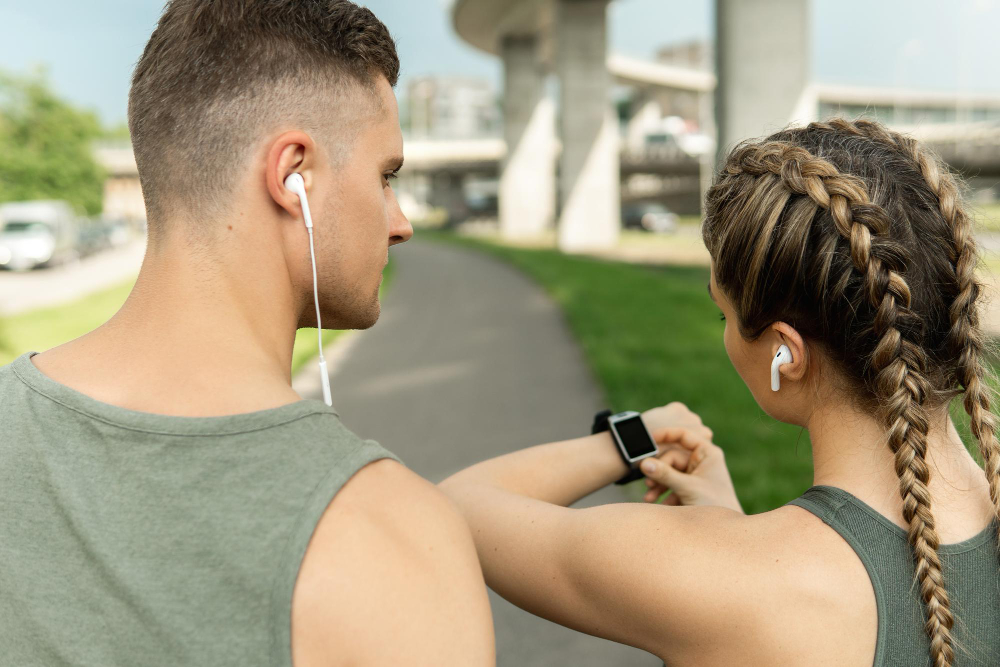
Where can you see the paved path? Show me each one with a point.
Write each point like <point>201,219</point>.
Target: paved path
<point>22,291</point>
<point>470,360</point>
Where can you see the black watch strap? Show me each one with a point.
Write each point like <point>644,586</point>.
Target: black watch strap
<point>601,425</point>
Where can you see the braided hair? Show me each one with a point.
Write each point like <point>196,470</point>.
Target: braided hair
<point>857,237</point>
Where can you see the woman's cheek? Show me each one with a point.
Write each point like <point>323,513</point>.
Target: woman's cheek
<point>727,343</point>
<point>737,352</point>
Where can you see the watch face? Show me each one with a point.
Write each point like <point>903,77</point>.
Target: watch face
<point>634,437</point>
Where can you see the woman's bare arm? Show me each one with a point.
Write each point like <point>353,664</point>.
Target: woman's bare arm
<point>650,576</point>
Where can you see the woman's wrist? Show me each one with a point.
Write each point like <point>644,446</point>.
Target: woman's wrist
<point>558,472</point>
<point>608,459</point>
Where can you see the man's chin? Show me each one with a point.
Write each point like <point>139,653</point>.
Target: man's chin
<point>359,315</point>
<point>367,317</point>
<point>375,313</point>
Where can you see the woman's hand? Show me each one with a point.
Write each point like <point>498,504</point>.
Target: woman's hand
<point>673,416</point>
<point>692,467</point>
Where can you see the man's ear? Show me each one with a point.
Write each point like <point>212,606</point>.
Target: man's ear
<point>785,334</point>
<point>292,152</point>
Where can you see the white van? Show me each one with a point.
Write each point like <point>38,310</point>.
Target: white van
<point>37,233</point>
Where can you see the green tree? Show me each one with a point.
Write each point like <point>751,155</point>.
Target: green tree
<point>116,133</point>
<point>46,145</point>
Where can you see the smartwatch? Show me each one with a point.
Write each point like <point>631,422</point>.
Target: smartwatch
<point>631,438</point>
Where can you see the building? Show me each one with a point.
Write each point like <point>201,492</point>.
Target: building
<point>122,192</point>
<point>451,108</point>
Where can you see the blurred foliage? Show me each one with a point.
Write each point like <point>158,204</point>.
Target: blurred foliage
<point>117,132</point>
<point>46,145</point>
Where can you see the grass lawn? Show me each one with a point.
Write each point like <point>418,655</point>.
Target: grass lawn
<point>42,329</point>
<point>987,215</point>
<point>652,335</point>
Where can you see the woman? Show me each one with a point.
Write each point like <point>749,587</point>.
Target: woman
<point>848,245</point>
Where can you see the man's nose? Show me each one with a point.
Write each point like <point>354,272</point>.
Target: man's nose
<point>401,230</point>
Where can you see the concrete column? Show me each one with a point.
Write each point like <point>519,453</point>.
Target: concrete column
<point>762,58</point>
<point>448,192</point>
<point>527,196</point>
<point>706,163</point>
<point>589,171</point>
<point>645,114</point>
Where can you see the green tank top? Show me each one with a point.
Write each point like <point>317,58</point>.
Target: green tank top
<point>129,538</point>
<point>971,573</point>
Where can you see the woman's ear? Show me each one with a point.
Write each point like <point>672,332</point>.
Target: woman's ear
<point>785,334</point>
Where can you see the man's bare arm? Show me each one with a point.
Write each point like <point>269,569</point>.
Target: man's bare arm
<point>391,577</point>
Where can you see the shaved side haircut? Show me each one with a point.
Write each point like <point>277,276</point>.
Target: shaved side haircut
<point>217,74</point>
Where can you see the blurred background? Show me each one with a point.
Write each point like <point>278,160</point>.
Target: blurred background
<point>556,155</point>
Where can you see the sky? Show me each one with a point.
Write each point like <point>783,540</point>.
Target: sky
<point>89,48</point>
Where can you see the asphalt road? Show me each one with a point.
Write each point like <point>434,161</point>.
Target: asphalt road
<point>39,288</point>
<point>468,361</point>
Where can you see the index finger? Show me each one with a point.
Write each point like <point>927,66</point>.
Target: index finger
<point>678,435</point>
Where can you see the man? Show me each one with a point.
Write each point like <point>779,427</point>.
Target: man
<point>167,497</point>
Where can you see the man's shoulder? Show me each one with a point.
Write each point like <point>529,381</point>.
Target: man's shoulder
<point>389,495</point>
<point>389,514</point>
<point>391,554</point>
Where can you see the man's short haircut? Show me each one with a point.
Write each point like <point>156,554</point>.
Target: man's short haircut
<point>216,74</point>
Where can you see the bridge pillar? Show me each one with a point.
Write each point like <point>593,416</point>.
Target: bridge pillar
<point>645,113</point>
<point>527,174</point>
<point>762,59</point>
<point>590,215</point>
<point>448,192</point>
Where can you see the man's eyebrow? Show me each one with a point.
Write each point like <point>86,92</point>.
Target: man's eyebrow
<point>395,163</point>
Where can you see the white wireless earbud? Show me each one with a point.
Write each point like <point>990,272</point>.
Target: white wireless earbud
<point>784,356</point>
<point>296,184</point>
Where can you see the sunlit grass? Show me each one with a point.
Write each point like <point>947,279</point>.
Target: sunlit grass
<point>987,216</point>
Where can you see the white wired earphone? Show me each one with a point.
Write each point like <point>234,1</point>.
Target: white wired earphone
<point>295,183</point>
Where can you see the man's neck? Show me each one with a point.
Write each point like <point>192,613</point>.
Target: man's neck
<point>194,337</point>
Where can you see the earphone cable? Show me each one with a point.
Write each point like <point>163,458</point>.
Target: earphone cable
<point>319,323</point>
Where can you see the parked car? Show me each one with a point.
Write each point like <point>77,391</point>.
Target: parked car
<point>650,216</point>
<point>37,233</point>
<point>119,232</point>
<point>93,236</point>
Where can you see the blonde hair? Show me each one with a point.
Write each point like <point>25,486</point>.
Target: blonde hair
<point>857,236</point>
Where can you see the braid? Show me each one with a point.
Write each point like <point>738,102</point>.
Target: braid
<point>897,364</point>
<point>965,337</point>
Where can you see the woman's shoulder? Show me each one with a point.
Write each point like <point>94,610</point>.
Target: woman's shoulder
<point>793,552</point>
<point>821,601</point>
<point>778,587</point>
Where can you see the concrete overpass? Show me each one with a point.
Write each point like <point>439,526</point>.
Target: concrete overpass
<point>760,85</point>
<point>568,39</point>
<point>582,165</point>
<point>669,175</point>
